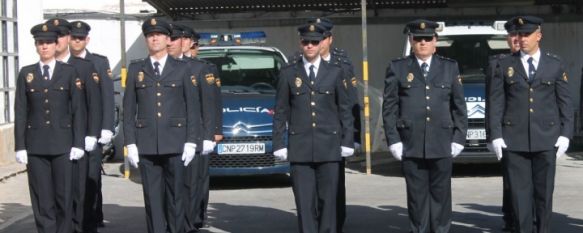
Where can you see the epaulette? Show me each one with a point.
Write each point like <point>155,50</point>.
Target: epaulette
<point>137,60</point>
<point>446,58</point>
<point>99,55</point>
<point>399,59</point>
<point>498,56</point>
<point>344,60</point>
<point>554,56</point>
<point>65,64</point>
<point>339,51</point>
<point>80,58</point>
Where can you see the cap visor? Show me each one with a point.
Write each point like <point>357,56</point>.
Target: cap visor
<point>80,34</point>
<point>422,34</point>
<point>313,37</point>
<point>45,38</point>
<point>159,30</point>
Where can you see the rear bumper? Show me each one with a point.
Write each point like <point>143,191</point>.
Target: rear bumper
<point>476,157</point>
<point>245,171</point>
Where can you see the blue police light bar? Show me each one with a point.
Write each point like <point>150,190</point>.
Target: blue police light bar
<point>243,38</point>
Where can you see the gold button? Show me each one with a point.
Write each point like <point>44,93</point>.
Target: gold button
<point>327,92</point>
<point>531,110</point>
<point>313,124</point>
<point>313,104</point>
<point>427,87</point>
<point>173,85</point>
<point>48,111</point>
<point>159,104</point>
<point>313,93</point>
<point>159,94</point>
<point>531,90</point>
<point>312,82</point>
<point>140,125</point>
<point>313,114</point>
<point>159,114</point>
<point>157,84</point>
<point>531,100</point>
<point>408,86</point>
<point>179,125</point>
<point>428,119</point>
<point>46,101</point>
<point>62,88</point>
<point>428,108</point>
<point>297,93</point>
<point>46,90</point>
<point>442,86</point>
<point>427,97</point>
<point>48,122</point>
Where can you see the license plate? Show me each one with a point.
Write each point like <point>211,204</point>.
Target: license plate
<point>241,148</point>
<point>476,134</point>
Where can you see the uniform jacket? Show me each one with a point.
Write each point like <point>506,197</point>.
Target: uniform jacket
<point>530,117</point>
<point>318,117</point>
<point>101,64</point>
<point>208,95</point>
<point>218,96</point>
<point>50,116</point>
<point>425,115</point>
<point>91,80</point>
<point>161,113</point>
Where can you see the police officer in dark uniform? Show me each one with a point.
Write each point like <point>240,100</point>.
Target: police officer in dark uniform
<point>512,40</point>
<point>312,101</point>
<point>425,123</point>
<point>50,123</point>
<point>201,194</point>
<point>531,122</point>
<point>90,79</point>
<point>338,57</point>
<point>162,126</point>
<point>205,84</point>
<point>93,212</point>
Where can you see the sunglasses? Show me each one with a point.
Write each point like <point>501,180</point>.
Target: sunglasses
<point>420,38</point>
<point>312,42</point>
<point>78,37</point>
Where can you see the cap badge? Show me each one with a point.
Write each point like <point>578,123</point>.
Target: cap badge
<point>318,20</point>
<point>45,28</point>
<point>298,82</point>
<point>29,77</point>
<point>520,21</point>
<point>153,21</point>
<point>56,22</point>
<point>79,25</point>
<point>410,77</point>
<point>422,25</point>
<point>312,28</point>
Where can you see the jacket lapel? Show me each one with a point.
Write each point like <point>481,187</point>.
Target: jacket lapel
<point>435,69</point>
<point>539,70</point>
<point>148,69</point>
<point>322,70</point>
<point>518,67</point>
<point>301,73</point>
<point>415,69</point>
<point>168,67</point>
<point>56,74</point>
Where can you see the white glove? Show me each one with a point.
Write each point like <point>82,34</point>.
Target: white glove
<point>346,151</point>
<point>133,157</point>
<point>76,153</point>
<point>456,149</point>
<point>281,154</point>
<point>397,150</point>
<point>498,144</point>
<point>207,147</point>
<point>22,157</point>
<point>562,146</point>
<point>90,143</point>
<point>188,154</point>
<point>106,136</point>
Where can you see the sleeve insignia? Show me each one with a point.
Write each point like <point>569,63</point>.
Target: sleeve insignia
<point>410,77</point>
<point>79,84</point>
<point>218,82</point>
<point>565,78</point>
<point>140,76</point>
<point>29,77</point>
<point>298,82</point>
<point>345,84</point>
<point>95,77</point>
<point>210,79</point>
<point>353,81</point>
<point>193,80</point>
<point>109,73</point>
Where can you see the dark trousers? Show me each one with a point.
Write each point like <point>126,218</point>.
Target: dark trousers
<point>92,208</point>
<point>507,216</point>
<point>49,180</point>
<point>80,170</point>
<point>197,185</point>
<point>163,185</point>
<point>532,181</point>
<point>428,194</point>
<point>315,186</point>
<point>341,197</point>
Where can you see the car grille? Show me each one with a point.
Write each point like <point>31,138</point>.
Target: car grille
<point>476,145</point>
<point>244,160</point>
<point>246,139</point>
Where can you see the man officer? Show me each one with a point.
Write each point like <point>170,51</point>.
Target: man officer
<point>162,126</point>
<point>49,131</point>
<point>93,213</point>
<point>90,79</point>
<point>312,101</point>
<point>338,57</point>
<point>531,122</point>
<point>425,122</point>
<point>513,44</point>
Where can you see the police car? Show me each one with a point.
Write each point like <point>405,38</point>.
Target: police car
<point>248,72</point>
<point>471,44</point>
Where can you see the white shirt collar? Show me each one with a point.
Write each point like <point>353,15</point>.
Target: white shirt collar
<point>428,61</point>
<point>162,62</point>
<point>535,59</point>
<point>66,58</point>
<point>51,65</point>
<point>83,54</point>
<point>316,64</point>
<point>327,58</point>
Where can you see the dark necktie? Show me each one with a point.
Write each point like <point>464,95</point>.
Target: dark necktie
<point>157,69</point>
<point>312,75</point>
<point>531,69</point>
<point>46,74</point>
<point>425,69</point>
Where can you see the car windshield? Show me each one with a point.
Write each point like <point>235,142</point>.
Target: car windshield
<point>472,52</point>
<point>245,70</point>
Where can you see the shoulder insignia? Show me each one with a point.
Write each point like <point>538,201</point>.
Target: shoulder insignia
<point>510,72</point>
<point>137,60</point>
<point>565,78</point>
<point>193,80</point>
<point>95,77</point>
<point>29,77</point>
<point>99,55</point>
<point>459,79</point>
<point>445,58</point>
<point>399,59</point>
<point>553,56</point>
<point>79,84</point>
<point>140,76</point>
<point>109,73</point>
<point>218,82</point>
<point>353,81</point>
<point>210,78</point>
<point>410,77</point>
<point>298,82</point>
